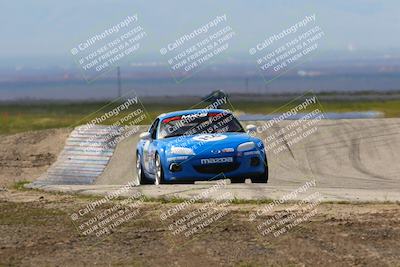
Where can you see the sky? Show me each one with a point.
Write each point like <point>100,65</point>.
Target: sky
<point>48,28</point>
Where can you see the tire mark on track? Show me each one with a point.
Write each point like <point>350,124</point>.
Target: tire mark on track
<point>357,162</point>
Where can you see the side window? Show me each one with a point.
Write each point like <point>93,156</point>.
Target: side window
<point>153,129</point>
<point>152,126</point>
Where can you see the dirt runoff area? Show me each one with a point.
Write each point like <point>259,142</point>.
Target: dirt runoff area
<point>25,156</point>
<point>49,229</point>
<point>37,229</point>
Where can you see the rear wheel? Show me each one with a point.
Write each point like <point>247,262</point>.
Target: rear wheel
<point>159,177</point>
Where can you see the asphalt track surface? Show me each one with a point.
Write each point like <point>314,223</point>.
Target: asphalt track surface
<point>351,160</point>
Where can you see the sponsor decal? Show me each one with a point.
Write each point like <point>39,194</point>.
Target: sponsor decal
<point>193,116</point>
<point>216,160</point>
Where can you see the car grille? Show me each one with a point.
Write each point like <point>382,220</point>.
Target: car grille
<point>217,168</point>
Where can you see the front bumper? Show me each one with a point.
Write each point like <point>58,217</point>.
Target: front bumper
<point>207,167</point>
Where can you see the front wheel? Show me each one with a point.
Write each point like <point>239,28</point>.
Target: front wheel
<point>238,180</point>
<point>263,178</point>
<point>139,171</point>
<point>159,177</point>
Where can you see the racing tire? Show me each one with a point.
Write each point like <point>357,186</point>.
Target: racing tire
<point>263,178</point>
<point>142,179</point>
<point>238,180</point>
<point>183,182</point>
<point>159,175</point>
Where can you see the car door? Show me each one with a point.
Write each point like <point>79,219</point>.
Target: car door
<point>149,148</point>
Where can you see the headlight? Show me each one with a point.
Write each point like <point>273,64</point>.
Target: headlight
<point>181,150</point>
<point>246,146</point>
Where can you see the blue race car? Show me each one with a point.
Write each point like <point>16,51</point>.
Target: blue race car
<point>199,145</point>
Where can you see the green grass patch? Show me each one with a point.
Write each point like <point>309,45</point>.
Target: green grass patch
<point>389,108</point>
<point>16,118</point>
<point>20,185</point>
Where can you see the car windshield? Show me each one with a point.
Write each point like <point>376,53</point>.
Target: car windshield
<point>199,123</point>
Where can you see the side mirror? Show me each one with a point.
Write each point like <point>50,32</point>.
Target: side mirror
<point>251,128</point>
<point>145,136</point>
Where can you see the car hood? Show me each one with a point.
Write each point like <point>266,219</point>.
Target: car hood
<point>207,142</point>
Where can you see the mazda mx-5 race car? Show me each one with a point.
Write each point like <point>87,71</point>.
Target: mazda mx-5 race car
<point>199,145</point>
